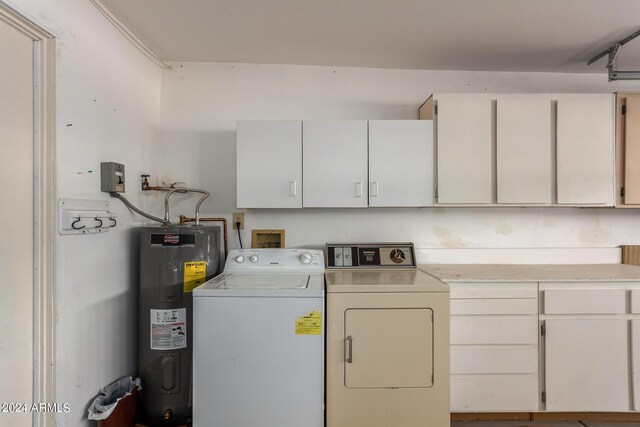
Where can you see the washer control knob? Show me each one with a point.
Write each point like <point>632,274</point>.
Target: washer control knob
<point>305,258</point>
<point>240,259</point>
<point>253,258</point>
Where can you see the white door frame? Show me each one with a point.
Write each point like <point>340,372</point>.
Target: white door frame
<point>44,236</point>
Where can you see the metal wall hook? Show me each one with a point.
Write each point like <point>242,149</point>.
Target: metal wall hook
<point>114,222</point>
<point>83,217</point>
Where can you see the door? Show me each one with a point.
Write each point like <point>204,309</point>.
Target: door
<point>585,149</point>
<point>269,171</point>
<point>523,145</point>
<point>632,151</point>
<point>401,163</point>
<point>388,348</point>
<point>16,245</point>
<point>335,166</point>
<point>465,151</point>
<point>587,365</point>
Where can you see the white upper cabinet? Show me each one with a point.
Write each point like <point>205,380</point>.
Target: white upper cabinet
<point>523,146</point>
<point>468,149</point>
<point>335,172</point>
<point>269,164</point>
<point>465,151</point>
<point>585,149</point>
<point>401,163</point>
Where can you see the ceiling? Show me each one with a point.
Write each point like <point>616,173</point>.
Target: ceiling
<point>498,35</point>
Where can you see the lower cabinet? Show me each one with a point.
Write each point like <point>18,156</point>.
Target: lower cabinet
<point>635,362</point>
<point>548,346</point>
<point>494,347</point>
<point>590,346</point>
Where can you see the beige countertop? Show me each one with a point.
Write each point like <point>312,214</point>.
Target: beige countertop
<point>532,272</point>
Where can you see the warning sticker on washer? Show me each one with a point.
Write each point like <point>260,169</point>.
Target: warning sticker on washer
<point>195,274</point>
<point>309,324</point>
<point>168,329</point>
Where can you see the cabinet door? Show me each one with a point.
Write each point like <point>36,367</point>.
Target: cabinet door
<point>586,365</point>
<point>465,151</point>
<point>632,151</point>
<point>269,164</point>
<point>335,164</point>
<point>523,139</point>
<point>388,348</point>
<point>401,163</point>
<point>585,149</point>
<point>635,363</point>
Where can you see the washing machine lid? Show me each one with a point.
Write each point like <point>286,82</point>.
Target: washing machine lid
<point>269,285</point>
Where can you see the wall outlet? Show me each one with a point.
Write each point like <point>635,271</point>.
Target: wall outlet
<point>238,217</point>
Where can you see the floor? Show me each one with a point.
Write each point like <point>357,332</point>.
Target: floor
<point>543,424</point>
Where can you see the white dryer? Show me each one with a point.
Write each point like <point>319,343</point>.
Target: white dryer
<point>259,341</point>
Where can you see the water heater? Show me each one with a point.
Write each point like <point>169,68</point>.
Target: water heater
<point>173,261</point>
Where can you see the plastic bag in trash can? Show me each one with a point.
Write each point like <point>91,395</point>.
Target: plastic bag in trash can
<point>109,396</point>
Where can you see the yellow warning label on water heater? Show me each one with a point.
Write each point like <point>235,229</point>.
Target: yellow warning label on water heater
<point>309,324</point>
<point>195,274</point>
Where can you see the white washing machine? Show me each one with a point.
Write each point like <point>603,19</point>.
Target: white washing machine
<point>259,341</point>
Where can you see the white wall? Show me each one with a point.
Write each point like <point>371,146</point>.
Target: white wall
<point>202,101</point>
<point>107,110</point>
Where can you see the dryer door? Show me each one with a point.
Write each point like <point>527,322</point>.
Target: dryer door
<point>389,348</point>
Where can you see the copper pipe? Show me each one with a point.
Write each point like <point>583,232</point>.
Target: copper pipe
<point>185,219</point>
<point>148,187</point>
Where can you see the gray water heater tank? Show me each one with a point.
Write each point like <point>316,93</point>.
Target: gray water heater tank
<point>173,261</point>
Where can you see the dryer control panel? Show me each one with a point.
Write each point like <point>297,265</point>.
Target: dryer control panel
<point>370,255</point>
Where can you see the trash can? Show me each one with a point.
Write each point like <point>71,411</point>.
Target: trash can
<point>116,405</point>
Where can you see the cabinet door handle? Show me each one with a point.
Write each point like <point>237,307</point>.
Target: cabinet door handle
<point>374,189</point>
<point>293,188</point>
<point>349,349</point>
<point>359,189</point>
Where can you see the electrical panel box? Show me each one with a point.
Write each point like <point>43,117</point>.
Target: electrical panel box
<point>112,177</point>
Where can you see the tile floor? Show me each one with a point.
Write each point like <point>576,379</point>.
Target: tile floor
<point>543,424</point>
